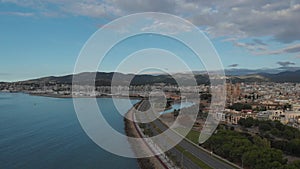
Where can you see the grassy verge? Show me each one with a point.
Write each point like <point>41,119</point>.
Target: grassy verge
<point>193,158</point>
<point>193,136</point>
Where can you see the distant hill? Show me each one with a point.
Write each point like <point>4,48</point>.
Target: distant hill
<point>249,78</point>
<point>287,76</point>
<point>240,72</point>
<point>105,79</point>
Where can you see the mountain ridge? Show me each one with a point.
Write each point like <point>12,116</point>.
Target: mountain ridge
<point>105,78</point>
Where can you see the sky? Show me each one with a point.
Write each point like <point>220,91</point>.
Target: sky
<point>43,38</point>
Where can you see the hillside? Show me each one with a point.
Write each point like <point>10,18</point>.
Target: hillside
<point>105,79</point>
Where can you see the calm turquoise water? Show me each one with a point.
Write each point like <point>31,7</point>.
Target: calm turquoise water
<point>178,106</point>
<point>42,132</point>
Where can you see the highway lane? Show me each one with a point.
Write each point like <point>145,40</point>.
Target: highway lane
<point>185,161</point>
<point>196,151</point>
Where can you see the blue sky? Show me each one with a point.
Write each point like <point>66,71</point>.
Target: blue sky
<point>44,38</point>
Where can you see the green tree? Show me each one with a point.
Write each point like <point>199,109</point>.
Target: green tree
<point>176,112</point>
<point>261,142</point>
<point>263,158</point>
<point>240,106</point>
<point>294,147</point>
<point>247,122</point>
<point>264,127</point>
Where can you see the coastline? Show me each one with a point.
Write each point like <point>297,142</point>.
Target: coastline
<point>71,96</point>
<point>144,163</point>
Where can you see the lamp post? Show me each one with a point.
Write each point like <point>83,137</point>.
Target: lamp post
<point>242,162</point>
<point>182,157</point>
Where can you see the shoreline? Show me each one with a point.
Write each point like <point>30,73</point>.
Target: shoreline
<point>144,163</point>
<point>70,96</point>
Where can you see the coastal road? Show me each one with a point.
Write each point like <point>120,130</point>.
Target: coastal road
<point>187,146</point>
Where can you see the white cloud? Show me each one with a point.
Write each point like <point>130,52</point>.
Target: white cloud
<point>295,48</point>
<point>233,65</point>
<point>286,63</point>
<point>231,18</point>
<point>253,47</point>
<point>169,27</point>
<point>22,14</point>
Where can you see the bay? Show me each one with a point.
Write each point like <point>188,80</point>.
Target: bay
<point>43,132</point>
